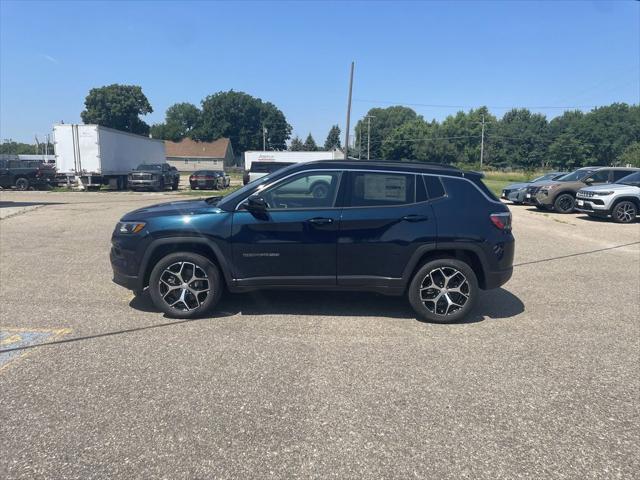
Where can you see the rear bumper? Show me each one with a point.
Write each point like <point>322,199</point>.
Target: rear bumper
<point>497,278</point>
<point>127,281</point>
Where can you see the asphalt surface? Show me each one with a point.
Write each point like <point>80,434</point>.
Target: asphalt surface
<point>543,381</point>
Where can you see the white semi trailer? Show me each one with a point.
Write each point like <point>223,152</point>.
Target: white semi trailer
<point>90,156</point>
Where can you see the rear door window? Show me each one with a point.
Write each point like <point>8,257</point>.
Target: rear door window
<point>370,189</point>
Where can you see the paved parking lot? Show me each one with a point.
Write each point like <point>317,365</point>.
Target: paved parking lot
<point>542,382</point>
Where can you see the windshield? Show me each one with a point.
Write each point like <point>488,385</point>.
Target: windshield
<point>633,179</point>
<point>149,166</point>
<point>577,175</point>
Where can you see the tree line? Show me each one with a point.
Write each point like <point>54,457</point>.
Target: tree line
<point>520,139</point>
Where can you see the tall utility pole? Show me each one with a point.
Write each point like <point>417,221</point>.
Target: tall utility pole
<point>369,117</point>
<point>264,139</point>
<point>482,143</point>
<point>346,132</point>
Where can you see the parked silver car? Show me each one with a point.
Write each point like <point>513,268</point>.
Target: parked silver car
<point>620,200</point>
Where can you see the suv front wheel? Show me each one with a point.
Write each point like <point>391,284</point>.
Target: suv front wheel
<point>185,285</point>
<point>624,212</point>
<point>443,290</point>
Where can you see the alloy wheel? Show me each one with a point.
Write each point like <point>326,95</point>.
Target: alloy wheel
<point>444,291</point>
<point>625,212</point>
<point>184,286</point>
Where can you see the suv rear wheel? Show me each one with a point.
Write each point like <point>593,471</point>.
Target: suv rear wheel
<point>624,212</point>
<point>443,290</point>
<point>564,203</point>
<point>185,285</point>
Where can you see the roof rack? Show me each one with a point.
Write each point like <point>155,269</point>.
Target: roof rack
<point>394,162</point>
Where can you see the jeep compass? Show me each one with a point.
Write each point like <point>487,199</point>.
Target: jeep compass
<point>433,233</point>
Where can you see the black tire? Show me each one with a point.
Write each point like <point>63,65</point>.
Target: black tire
<point>442,273</point>
<point>564,203</point>
<point>174,186</point>
<point>22,183</point>
<point>195,305</point>
<point>624,211</point>
<point>161,186</point>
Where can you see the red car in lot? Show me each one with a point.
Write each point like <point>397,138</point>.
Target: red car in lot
<point>209,179</point>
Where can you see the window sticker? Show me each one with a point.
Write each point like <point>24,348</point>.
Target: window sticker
<point>385,187</point>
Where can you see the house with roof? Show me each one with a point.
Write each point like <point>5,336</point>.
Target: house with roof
<point>189,155</point>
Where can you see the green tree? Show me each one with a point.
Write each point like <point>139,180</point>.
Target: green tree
<point>296,145</point>
<point>310,144</point>
<point>609,130</point>
<point>10,147</point>
<point>631,155</point>
<point>117,106</point>
<point>567,152</point>
<point>464,132</point>
<point>242,118</point>
<point>523,139</point>
<point>181,120</point>
<point>419,141</point>
<point>386,120</point>
<point>333,138</point>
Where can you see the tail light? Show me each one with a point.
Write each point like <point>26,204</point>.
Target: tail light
<point>208,177</point>
<point>191,178</point>
<point>502,221</point>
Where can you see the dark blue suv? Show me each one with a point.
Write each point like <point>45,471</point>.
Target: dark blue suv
<point>432,232</point>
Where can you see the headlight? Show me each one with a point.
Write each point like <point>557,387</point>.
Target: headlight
<point>603,194</point>
<point>129,228</point>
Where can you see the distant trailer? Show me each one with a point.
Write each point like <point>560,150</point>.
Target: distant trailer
<point>258,164</point>
<point>90,156</point>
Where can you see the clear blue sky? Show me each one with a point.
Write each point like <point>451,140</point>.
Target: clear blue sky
<point>296,55</point>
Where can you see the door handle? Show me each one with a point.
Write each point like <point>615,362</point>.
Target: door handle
<point>320,221</point>
<point>415,218</point>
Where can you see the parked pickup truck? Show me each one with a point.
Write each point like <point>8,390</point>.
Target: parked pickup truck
<point>154,176</point>
<point>25,174</point>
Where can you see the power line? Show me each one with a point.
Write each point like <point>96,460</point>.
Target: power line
<point>435,105</point>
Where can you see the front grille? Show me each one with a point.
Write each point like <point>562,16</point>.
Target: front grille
<point>141,176</point>
<point>586,194</point>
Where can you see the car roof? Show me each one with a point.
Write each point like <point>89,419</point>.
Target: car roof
<point>409,167</point>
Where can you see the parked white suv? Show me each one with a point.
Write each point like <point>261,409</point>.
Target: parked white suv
<point>620,200</point>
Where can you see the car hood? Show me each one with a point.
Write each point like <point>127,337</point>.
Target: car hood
<point>182,207</point>
<point>610,186</point>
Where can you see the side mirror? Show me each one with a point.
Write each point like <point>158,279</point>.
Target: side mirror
<point>257,204</point>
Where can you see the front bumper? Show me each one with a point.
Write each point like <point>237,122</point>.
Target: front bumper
<point>143,183</point>
<point>592,206</point>
<point>516,196</point>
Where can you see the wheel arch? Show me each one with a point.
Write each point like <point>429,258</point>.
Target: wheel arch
<point>634,200</point>
<point>470,254</point>
<point>164,246</point>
